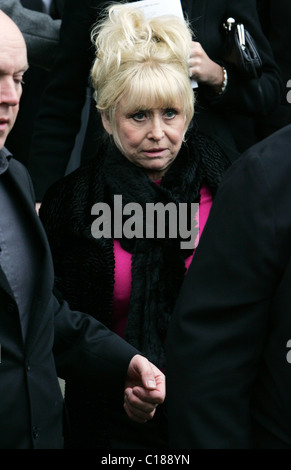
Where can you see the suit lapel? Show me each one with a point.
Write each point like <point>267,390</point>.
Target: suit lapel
<point>22,186</point>
<point>24,192</point>
<point>4,284</point>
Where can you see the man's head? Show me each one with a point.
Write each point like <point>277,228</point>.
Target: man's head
<point>13,64</point>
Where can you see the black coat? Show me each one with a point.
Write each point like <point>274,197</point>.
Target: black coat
<point>230,334</point>
<point>31,403</point>
<point>60,116</point>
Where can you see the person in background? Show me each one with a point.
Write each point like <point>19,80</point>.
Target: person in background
<point>223,107</point>
<point>36,78</point>
<point>40,31</point>
<point>40,337</point>
<point>130,281</point>
<point>229,339</point>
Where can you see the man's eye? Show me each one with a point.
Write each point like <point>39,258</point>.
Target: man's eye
<point>19,80</point>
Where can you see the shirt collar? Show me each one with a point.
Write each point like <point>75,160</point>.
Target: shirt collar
<point>5,156</point>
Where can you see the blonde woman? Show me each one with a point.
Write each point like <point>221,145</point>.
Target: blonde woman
<point>129,280</point>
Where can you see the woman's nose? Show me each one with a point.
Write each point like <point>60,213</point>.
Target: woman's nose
<point>156,131</point>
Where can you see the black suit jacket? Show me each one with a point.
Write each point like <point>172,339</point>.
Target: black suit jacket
<point>227,342</point>
<point>31,403</point>
<point>60,115</point>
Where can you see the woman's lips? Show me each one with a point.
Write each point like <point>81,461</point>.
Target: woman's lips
<point>155,152</point>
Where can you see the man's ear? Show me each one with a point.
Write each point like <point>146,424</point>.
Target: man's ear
<point>106,123</point>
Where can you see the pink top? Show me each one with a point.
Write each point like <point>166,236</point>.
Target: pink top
<point>122,280</point>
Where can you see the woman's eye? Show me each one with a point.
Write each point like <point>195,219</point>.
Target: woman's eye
<point>139,116</point>
<point>170,113</point>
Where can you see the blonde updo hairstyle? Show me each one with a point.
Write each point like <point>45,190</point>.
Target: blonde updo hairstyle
<point>145,60</point>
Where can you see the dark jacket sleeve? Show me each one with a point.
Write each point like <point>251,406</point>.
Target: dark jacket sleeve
<point>220,325</point>
<point>86,351</point>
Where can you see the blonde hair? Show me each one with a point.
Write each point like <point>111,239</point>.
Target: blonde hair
<point>144,59</point>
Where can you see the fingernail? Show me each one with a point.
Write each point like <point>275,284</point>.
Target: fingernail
<point>151,383</point>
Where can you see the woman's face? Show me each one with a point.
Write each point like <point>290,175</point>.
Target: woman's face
<point>150,138</point>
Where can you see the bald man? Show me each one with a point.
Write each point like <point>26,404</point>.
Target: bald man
<point>41,339</point>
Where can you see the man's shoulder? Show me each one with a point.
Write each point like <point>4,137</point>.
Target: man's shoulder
<point>267,164</point>
<point>275,144</point>
<point>13,165</point>
<point>272,153</point>
<point>22,178</point>
<point>17,167</point>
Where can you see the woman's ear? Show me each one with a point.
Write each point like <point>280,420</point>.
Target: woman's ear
<point>106,123</point>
